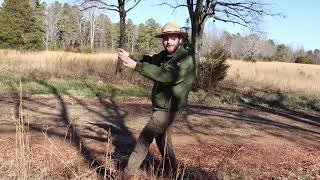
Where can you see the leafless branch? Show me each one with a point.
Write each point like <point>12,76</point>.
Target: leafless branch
<point>98,7</point>
<point>136,3</point>
<point>103,5</point>
<point>246,13</point>
<point>230,21</point>
<point>173,7</point>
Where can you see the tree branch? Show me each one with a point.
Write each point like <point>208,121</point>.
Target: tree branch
<point>190,9</point>
<point>103,4</point>
<point>174,7</point>
<point>230,21</point>
<point>137,2</point>
<point>98,7</point>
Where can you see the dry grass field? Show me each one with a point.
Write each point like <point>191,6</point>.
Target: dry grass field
<point>63,65</point>
<point>43,56</point>
<point>286,77</point>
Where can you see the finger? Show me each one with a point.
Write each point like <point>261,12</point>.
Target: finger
<point>122,53</point>
<point>122,57</point>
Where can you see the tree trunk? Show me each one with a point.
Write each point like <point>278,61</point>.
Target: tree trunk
<point>132,39</point>
<point>196,41</point>
<point>92,29</point>
<point>195,47</point>
<point>80,32</point>
<point>112,38</point>
<point>122,43</point>
<point>46,41</point>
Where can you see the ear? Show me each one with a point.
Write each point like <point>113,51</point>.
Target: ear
<point>180,40</point>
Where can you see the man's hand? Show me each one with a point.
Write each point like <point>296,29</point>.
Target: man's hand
<point>126,60</point>
<point>123,51</point>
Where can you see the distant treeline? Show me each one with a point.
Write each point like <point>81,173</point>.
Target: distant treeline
<point>31,25</point>
<point>256,48</point>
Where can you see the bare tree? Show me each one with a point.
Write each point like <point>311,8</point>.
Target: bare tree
<point>92,20</point>
<point>246,13</point>
<point>102,27</point>
<point>251,47</point>
<point>53,15</point>
<point>135,35</point>
<point>118,7</point>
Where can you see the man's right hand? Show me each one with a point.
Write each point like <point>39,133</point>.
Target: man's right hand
<point>126,60</point>
<point>123,51</point>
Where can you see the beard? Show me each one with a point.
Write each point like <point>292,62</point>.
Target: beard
<point>171,49</point>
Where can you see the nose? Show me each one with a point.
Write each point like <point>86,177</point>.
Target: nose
<point>170,40</point>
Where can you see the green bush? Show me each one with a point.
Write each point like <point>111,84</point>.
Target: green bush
<point>213,69</point>
<point>303,60</point>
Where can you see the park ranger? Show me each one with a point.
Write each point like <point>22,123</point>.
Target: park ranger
<point>172,71</point>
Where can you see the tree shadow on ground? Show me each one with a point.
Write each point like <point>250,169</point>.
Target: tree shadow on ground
<point>114,122</point>
<point>301,124</point>
<point>271,102</point>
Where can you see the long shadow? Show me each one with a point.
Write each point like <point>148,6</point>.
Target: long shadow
<point>114,122</point>
<point>237,115</point>
<point>277,106</point>
<point>124,140</point>
<point>252,118</point>
<point>72,131</point>
<point>282,110</point>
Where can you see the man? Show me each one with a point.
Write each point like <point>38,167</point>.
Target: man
<point>172,71</point>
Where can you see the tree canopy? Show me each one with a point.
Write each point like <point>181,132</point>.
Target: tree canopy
<point>21,25</point>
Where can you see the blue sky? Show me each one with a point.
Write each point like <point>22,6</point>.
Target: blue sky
<point>300,28</point>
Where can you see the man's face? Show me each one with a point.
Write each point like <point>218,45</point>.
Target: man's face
<point>171,42</point>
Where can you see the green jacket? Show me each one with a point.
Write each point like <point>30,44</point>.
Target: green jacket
<point>173,76</point>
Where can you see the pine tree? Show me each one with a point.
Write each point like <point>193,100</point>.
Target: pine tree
<point>21,25</point>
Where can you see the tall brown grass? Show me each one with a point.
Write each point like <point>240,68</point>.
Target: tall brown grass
<point>25,160</point>
<point>63,65</point>
<point>287,77</point>
<point>22,157</point>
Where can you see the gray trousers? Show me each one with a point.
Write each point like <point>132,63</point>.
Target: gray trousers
<point>160,128</point>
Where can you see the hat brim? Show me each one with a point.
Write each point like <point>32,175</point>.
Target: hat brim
<point>171,32</point>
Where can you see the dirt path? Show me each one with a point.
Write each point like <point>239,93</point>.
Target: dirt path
<point>212,143</point>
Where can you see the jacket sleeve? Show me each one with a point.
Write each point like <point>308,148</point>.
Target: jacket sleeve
<point>167,73</point>
<point>141,58</point>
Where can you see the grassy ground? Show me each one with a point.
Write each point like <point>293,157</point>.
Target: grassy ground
<point>226,94</point>
<point>87,89</point>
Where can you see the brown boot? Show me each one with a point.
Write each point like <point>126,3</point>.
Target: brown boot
<point>126,176</point>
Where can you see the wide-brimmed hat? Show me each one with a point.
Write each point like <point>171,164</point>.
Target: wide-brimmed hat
<point>171,28</point>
